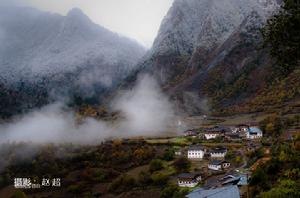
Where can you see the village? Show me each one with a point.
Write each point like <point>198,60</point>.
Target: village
<point>216,158</point>
<point>220,169</point>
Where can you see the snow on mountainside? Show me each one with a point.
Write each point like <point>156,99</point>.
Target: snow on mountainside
<point>198,36</point>
<point>193,29</point>
<point>37,45</point>
<point>46,56</point>
<point>204,23</point>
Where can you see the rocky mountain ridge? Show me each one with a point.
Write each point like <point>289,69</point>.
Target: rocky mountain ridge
<point>198,38</point>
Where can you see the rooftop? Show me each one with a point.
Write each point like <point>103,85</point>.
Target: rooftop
<point>216,162</point>
<point>217,129</point>
<point>224,192</point>
<point>219,150</point>
<point>187,176</point>
<point>195,148</point>
<point>254,130</point>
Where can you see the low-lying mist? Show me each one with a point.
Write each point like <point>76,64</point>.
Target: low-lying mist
<point>146,112</point>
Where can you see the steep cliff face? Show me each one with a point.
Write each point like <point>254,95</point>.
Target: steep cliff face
<point>199,38</point>
<point>43,55</point>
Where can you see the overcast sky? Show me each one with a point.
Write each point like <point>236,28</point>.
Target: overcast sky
<point>138,19</point>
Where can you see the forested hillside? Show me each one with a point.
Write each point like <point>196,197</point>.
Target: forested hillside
<point>272,81</point>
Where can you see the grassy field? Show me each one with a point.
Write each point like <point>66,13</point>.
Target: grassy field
<point>136,171</point>
<point>228,145</point>
<point>243,118</point>
<point>174,140</point>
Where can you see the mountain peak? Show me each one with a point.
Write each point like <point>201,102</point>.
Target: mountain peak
<point>76,12</point>
<point>76,17</point>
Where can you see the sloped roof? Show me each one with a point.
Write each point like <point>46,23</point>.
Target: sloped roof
<point>217,129</point>
<point>196,148</point>
<point>187,176</point>
<point>216,162</point>
<point>254,130</point>
<point>190,130</point>
<point>219,150</point>
<point>224,192</point>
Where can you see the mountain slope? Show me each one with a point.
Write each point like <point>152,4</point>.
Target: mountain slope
<point>46,55</point>
<point>199,39</point>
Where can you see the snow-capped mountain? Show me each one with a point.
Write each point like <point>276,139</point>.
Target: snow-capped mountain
<point>37,44</point>
<point>44,56</point>
<point>193,29</point>
<point>201,38</point>
<point>190,24</point>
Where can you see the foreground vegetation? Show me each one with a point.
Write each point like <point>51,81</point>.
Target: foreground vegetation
<point>279,176</point>
<point>126,168</point>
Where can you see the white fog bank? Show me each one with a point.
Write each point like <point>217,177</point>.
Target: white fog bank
<point>146,112</point>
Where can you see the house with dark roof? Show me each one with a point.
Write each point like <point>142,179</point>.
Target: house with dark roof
<point>233,137</point>
<point>254,133</point>
<point>195,152</point>
<point>231,181</point>
<point>241,128</point>
<point>188,179</point>
<point>218,152</point>
<point>231,191</point>
<point>235,179</point>
<point>212,133</point>
<point>218,165</point>
<point>190,133</point>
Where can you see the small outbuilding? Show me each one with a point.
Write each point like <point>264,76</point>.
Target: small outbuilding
<point>190,133</point>
<point>219,152</point>
<point>254,133</point>
<point>218,165</point>
<point>188,179</point>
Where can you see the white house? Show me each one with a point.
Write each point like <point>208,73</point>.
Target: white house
<point>190,133</point>
<point>218,165</point>
<point>214,165</point>
<point>195,152</point>
<point>188,180</point>
<point>218,153</point>
<point>254,133</point>
<point>178,152</point>
<point>242,128</point>
<point>211,135</point>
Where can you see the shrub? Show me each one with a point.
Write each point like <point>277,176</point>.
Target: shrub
<point>19,194</point>
<point>159,179</point>
<point>155,165</point>
<point>121,184</point>
<point>144,178</point>
<point>182,164</point>
<point>75,189</point>
<point>173,191</point>
<point>99,176</point>
<point>168,154</point>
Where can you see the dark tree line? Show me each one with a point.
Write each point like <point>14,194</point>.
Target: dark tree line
<point>282,34</point>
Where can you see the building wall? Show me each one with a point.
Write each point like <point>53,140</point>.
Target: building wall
<point>187,184</point>
<point>214,167</point>
<point>217,155</point>
<point>195,154</point>
<point>253,136</point>
<point>226,165</point>
<point>210,136</point>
